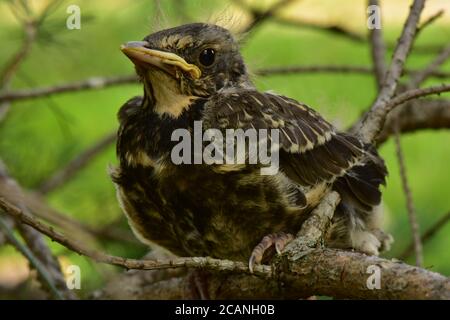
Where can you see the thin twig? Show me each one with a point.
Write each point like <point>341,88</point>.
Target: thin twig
<point>430,20</point>
<point>36,243</point>
<point>10,224</point>
<point>414,94</point>
<point>88,84</point>
<point>427,235</point>
<point>10,189</point>
<point>13,64</point>
<point>412,216</point>
<point>271,71</point>
<point>418,78</point>
<point>258,17</point>
<point>333,29</point>
<point>35,203</point>
<point>33,260</point>
<point>221,265</point>
<point>105,82</point>
<point>34,249</point>
<point>416,115</point>
<point>378,50</point>
<point>73,167</point>
<point>31,25</point>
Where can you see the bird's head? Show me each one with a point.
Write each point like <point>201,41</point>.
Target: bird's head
<point>193,60</point>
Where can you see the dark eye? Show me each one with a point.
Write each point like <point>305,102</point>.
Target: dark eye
<point>207,57</point>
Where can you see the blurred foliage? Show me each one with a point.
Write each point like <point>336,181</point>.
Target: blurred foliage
<point>39,136</point>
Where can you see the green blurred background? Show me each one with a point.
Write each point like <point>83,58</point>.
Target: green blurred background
<point>40,136</point>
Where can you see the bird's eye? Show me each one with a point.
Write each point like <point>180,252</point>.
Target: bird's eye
<point>207,57</point>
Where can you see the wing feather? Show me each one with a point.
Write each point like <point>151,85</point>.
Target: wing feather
<point>312,151</point>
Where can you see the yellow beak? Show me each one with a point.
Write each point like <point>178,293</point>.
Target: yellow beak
<point>167,61</point>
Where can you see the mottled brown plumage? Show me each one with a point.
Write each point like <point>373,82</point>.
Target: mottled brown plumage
<point>224,210</point>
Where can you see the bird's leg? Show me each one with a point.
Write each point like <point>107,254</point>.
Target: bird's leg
<point>279,240</point>
<point>198,284</point>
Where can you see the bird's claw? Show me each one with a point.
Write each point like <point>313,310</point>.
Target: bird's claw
<point>279,240</point>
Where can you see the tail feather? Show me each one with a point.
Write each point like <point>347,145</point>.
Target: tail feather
<point>360,186</point>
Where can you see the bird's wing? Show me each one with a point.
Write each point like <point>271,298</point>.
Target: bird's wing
<point>311,150</point>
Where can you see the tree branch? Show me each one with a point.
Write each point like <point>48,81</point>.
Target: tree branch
<point>412,215</point>
<point>418,78</point>
<point>258,17</point>
<point>34,241</point>
<point>414,94</point>
<point>13,64</point>
<point>32,201</point>
<point>79,162</point>
<point>335,273</point>
<point>378,50</point>
<point>338,273</point>
<point>375,118</point>
<point>31,25</point>
<point>333,29</point>
<point>88,84</point>
<point>418,120</point>
<point>417,115</point>
<point>430,20</point>
<point>220,265</point>
<point>105,82</point>
<point>270,71</point>
<point>427,235</point>
<point>45,277</point>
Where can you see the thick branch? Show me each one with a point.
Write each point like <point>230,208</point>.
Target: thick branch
<point>315,227</point>
<point>337,273</point>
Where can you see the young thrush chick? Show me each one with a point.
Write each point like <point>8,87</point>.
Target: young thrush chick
<point>193,73</point>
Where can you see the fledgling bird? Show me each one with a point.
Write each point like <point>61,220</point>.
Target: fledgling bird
<point>195,72</point>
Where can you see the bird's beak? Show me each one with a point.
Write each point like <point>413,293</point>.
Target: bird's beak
<point>167,61</point>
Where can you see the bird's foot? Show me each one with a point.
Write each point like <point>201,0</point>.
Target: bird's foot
<point>279,240</point>
<point>385,239</point>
